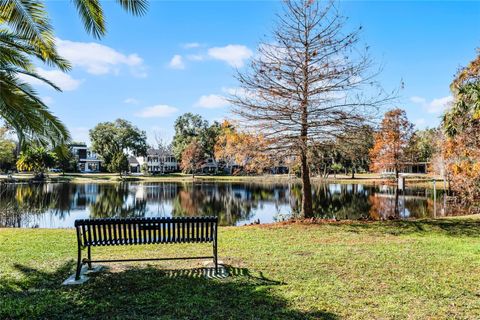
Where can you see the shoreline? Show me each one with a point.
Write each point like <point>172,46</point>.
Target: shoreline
<point>420,181</point>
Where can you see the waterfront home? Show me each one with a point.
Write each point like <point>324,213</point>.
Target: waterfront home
<point>87,160</point>
<point>156,161</point>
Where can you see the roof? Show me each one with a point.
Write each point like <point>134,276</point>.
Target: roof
<point>158,152</point>
<point>132,160</point>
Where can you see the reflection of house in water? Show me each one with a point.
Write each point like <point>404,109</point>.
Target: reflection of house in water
<point>155,192</point>
<point>84,195</point>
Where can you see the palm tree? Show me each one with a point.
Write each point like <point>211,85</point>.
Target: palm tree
<point>466,106</point>
<point>25,32</point>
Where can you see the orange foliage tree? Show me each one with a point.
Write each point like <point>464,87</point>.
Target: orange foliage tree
<point>461,124</point>
<point>192,157</point>
<point>241,148</point>
<point>390,149</point>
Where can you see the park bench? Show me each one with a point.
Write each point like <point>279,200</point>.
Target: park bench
<point>138,231</point>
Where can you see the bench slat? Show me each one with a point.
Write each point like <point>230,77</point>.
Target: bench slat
<point>134,231</point>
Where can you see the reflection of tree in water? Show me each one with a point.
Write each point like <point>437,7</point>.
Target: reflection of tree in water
<point>231,202</point>
<point>391,203</point>
<point>21,204</point>
<point>201,199</point>
<point>336,201</point>
<point>116,201</point>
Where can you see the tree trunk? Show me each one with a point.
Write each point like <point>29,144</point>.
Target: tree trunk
<point>396,208</point>
<point>307,207</point>
<point>353,173</point>
<point>396,173</point>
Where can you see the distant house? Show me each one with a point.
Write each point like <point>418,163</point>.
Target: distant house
<point>209,166</point>
<point>87,160</point>
<point>134,165</point>
<point>156,161</point>
<point>408,168</point>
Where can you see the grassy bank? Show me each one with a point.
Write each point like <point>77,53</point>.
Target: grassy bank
<point>424,181</point>
<point>427,269</point>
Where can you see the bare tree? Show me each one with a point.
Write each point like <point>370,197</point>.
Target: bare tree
<point>306,85</point>
<point>164,151</point>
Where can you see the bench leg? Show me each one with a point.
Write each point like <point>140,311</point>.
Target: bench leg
<point>79,264</point>
<point>215,257</point>
<point>89,258</point>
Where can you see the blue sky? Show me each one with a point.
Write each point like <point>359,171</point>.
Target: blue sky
<point>180,58</point>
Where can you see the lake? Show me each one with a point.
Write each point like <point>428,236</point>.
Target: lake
<point>57,205</point>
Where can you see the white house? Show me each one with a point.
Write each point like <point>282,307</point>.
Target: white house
<point>88,161</point>
<point>156,161</point>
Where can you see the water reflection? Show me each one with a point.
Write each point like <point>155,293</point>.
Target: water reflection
<point>59,204</point>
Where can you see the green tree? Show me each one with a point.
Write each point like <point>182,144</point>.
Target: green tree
<point>119,163</point>
<point>7,150</point>
<point>110,138</point>
<point>188,127</point>
<point>336,167</point>
<point>423,145</point>
<point>209,137</point>
<point>353,147</point>
<point>66,160</point>
<point>36,159</point>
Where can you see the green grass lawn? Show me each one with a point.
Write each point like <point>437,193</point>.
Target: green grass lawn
<point>428,269</point>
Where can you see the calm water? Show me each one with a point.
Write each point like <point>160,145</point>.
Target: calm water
<point>54,205</point>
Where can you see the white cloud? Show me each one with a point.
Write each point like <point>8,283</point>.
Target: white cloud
<point>233,54</point>
<point>158,111</point>
<point>437,105</point>
<point>211,101</point>
<point>99,59</point>
<point>440,104</point>
<point>177,62</point>
<point>131,101</point>
<point>63,80</point>
<point>191,45</point>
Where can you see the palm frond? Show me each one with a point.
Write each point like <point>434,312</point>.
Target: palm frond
<point>91,13</point>
<point>28,115</point>
<point>135,7</point>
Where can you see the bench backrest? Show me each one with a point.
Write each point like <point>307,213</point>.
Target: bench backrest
<point>131,231</point>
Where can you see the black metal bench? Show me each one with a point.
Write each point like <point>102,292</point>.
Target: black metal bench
<point>137,231</point>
